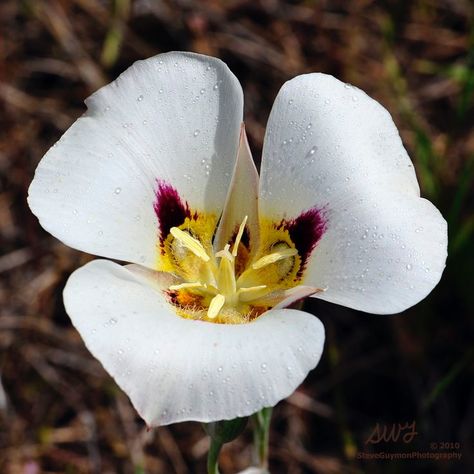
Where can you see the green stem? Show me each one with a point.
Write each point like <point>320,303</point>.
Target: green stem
<point>213,456</point>
<point>261,435</point>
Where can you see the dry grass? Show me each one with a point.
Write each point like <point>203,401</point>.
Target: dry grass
<point>59,411</point>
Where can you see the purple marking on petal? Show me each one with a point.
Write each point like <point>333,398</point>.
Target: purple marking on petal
<point>169,208</point>
<point>305,232</point>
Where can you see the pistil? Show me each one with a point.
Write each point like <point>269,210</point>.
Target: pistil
<point>218,285</point>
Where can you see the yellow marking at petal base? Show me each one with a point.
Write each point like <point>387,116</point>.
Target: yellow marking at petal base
<point>238,238</point>
<point>274,257</point>
<point>186,285</point>
<point>215,306</point>
<point>190,243</point>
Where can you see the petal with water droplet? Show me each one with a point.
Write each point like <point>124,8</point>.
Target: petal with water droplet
<point>106,166</point>
<point>175,369</point>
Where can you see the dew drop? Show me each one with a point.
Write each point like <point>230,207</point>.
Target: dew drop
<point>216,86</point>
<point>118,190</point>
<point>140,98</point>
<point>202,91</point>
<point>196,133</point>
<point>409,266</point>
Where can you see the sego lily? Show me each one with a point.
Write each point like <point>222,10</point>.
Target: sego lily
<point>158,173</point>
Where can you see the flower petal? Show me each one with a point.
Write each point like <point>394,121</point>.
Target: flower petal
<point>333,151</point>
<point>174,117</point>
<point>175,369</point>
<point>381,253</point>
<point>325,138</point>
<point>242,199</point>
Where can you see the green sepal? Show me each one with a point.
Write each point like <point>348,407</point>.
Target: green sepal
<point>226,430</point>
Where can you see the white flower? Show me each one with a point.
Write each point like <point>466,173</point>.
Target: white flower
<point>143,177</point>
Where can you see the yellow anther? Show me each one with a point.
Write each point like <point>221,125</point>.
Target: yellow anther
<point>238,238</point>
<point>187,285</point>
<point>215,306</point>
<point>274,257</point>
<point>252,292</point>
<point>190,243</point>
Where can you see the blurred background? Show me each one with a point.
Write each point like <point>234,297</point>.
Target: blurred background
<point>61,413</point>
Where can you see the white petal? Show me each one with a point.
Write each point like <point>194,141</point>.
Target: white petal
<point>381,252</point>
<point>332,149</point>
<point>174,117</point>
<point>175,369</point>
<point>320,144</point>
<point>242,198</point>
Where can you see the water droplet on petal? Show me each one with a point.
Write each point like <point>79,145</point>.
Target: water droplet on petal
<point>409,266</point>
<point>196,133</point>
<point>140,98</point>
<point>118,190</point>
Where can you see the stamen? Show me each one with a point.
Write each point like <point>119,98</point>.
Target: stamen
<point>186,285</point>
<point>238,238</point>
<point>215,306</point>
<point>274,257</point>
<point>190,243</point>
<point>252,292</point>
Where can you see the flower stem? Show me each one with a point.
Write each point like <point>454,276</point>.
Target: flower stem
<point>221,432</point>
<point>261,435</point>
<point>212,457</point>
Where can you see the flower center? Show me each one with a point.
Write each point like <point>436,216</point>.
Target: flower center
<point>229,286</point>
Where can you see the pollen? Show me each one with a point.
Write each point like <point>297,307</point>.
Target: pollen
<point>235,284</point>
